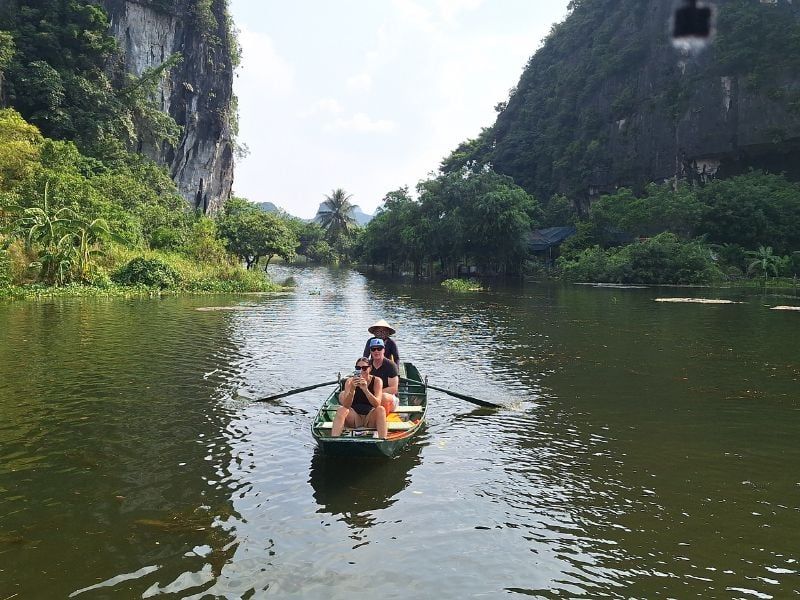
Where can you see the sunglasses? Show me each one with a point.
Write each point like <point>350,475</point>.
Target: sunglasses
<point>376,349</point>
<point>362,367</point>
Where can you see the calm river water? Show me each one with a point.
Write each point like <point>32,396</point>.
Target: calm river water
<point>648,450</point>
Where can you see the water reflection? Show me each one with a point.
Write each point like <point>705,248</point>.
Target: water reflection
<point>356,488</point>
<point>654,454</point>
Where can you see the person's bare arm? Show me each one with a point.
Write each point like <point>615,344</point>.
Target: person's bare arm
<point>346,395</point>
<point>394,383</point>
<point>375,399</point>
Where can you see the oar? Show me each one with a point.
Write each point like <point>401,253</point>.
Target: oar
<point>477,401</point>
<point>294,391</point>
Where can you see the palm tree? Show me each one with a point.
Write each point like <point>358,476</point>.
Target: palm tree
<point>336,214</point>
<point>764,261</point>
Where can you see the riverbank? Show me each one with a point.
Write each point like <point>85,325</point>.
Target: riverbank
<point>126,273</point>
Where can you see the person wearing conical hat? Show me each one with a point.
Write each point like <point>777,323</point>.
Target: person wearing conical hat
<point>382,330</point>
<point>384,360</point>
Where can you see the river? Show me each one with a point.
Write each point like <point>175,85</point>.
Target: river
<point>646,450</point>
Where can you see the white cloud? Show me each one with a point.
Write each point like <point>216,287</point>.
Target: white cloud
<point>327,106</point>
<point>450,9</point>
<point>404,83</point>
<point>413,13</point>
<point>361,123</point>
<point>360,83</point>
<point>263,66</point>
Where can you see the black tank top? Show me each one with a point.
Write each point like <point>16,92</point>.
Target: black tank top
<point>360,401</point>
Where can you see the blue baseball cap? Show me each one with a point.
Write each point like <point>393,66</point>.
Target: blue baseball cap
<point>376,343</point>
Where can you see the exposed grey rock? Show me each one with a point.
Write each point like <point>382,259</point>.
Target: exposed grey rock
<point>197,93</point>
<point>668,113</point>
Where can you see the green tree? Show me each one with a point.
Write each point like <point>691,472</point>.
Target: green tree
<point>755,209</point>
<point>312,243</point>
<point>7,50</point>
<point>203,244</point>
<point>336,215</point>
<point>252,234</point>
<point>477,216</point>
<point>20,144</point>
<point>559,212</point>
<point>764,261</point>
<point>277,238</point>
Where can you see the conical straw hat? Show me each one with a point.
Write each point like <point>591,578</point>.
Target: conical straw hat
<point>383,324</point>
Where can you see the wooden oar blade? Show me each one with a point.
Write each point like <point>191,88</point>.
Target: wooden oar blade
<point>295,391</point>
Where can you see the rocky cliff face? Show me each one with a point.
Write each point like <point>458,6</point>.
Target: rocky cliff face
<point>197,92</point>
<point>608,101</point>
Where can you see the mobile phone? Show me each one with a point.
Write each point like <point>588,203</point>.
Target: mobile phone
<point>357,373</point>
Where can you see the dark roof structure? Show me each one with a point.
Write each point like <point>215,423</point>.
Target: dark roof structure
<point>542,239</point>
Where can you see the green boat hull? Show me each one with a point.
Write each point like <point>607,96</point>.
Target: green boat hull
<point>360,443</point>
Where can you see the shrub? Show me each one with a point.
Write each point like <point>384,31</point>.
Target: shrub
<point>590,264</point>
<point>167,238</point>
<point>5,269</point>
<point>147,271</point>
<point>462,285</point>
<point>663,259</point>
<point>203,243</point>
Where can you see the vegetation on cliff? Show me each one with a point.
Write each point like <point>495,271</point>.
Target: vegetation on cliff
<point>67,219</point>
<point>600,104</point>
<point>79,208</point>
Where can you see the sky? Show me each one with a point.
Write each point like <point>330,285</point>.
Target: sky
<point>370,95</point>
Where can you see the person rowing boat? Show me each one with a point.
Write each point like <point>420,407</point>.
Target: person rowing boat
<point>383,331</point>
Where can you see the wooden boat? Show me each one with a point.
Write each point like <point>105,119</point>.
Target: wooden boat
<point>404,423</point>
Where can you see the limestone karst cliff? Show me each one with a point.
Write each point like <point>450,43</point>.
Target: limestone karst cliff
<point>608,102</point>
<point>196,92</point>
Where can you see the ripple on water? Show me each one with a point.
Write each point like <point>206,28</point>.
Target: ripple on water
<point>131,435</point>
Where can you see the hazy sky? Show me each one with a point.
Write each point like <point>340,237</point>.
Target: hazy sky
<point>370,95</point>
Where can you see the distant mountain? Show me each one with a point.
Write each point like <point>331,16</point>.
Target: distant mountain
<point>267,206</point>
<point>360,216</point>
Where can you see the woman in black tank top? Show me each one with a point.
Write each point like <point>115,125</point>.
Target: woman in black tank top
<point>361,403</point>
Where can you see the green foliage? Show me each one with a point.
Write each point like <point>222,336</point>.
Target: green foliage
<point>607,71</point>
<point>475,216</point>
<point>19,149</point>
<point>5,269</point>
<point>65,242</point>
<point>7,49</point>
<point>559,212</point>
<point>145,121</point>
<point>147,272</point>
<point>60,74</point>
<point>167,238</point>
<point>757,41</point>
<point>204,17</point>
<point>660,208</point>
<point>203,244</point>
<point>755,209</point>
<point>252,234</point>
<point>764,262</point>
<point>336,215</point>
<point>462,285</point>
<point>68,207</point>
<point>663,259</point>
